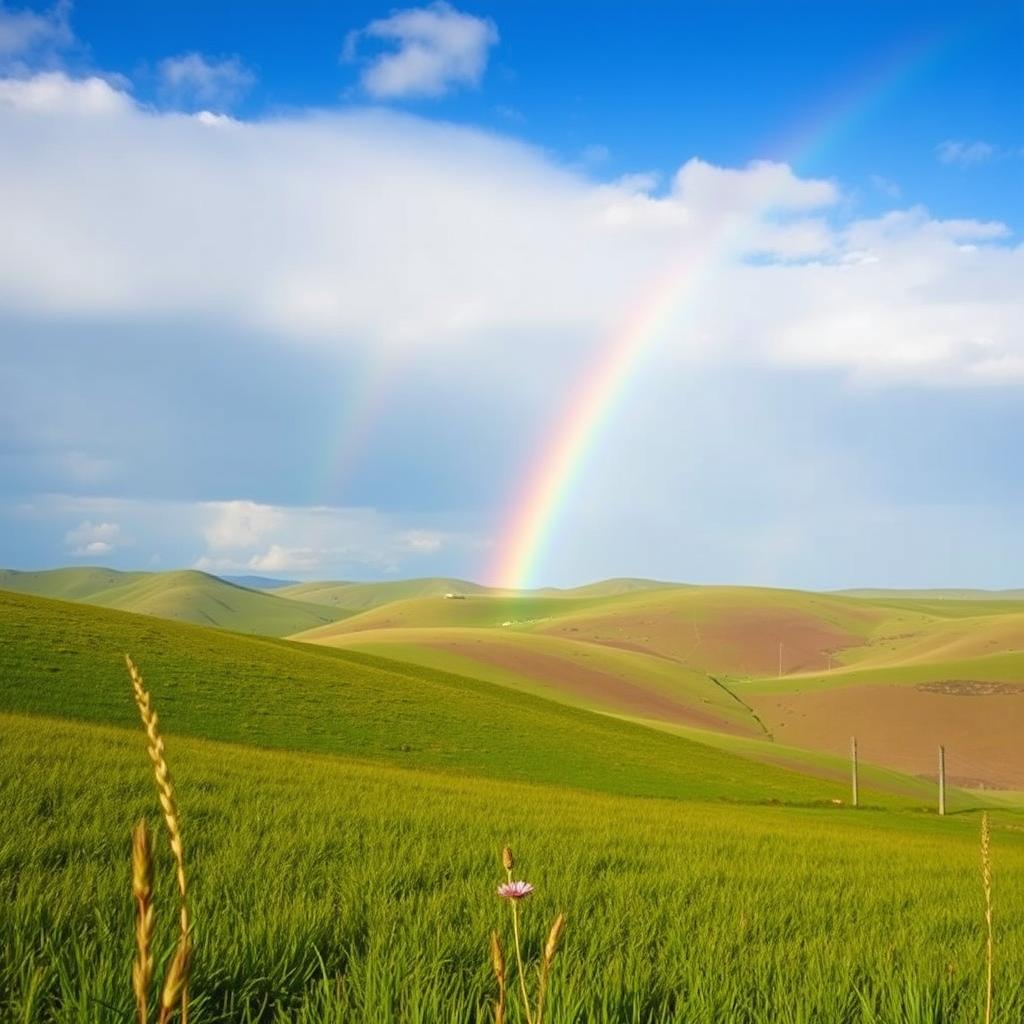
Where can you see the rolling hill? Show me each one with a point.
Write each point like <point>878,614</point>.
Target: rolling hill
<point>186,595</point>
<point>803,670</point>
<point>64,659</point>
<point>360,597</point>
<point>72,584</point>
<point>343,814</point>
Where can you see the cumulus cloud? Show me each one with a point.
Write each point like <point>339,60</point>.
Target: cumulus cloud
<point>954,151</point>
<point>371,232</point>
<point>55,93</point>
<point>196,81</point>
<point>247,536</point>
<point>760,186</point>
<point>437,48</point>
<point>88,539</point>
<point>239,524</point>
<point>281,559</point>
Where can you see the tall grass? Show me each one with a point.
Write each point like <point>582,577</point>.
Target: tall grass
<point>329,890</point>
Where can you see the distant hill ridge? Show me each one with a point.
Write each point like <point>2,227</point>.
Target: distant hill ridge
<point>260,604</point>
<point>360,597</point>
<point>258,582</point>
<point>935,594</point>
<point>186,595</point>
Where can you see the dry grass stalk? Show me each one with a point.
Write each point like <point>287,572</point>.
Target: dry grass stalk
<point>986,882</point>
<point>550,949</point>
<point>142,891</point>
<point>176,981</point>
<point>498,963</point>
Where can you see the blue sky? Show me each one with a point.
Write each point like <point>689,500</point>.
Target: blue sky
<point>306,294</point>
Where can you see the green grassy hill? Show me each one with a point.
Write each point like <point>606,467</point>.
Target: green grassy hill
<point>64,659</point>
<point>186,595</point>
<point>361,597</point>
<point>744,662</point>
<point>720,630</point>
<point>477,612</point>
<point>73,584</point>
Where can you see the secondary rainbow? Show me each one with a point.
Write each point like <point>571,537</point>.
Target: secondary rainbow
<point>550,477</point>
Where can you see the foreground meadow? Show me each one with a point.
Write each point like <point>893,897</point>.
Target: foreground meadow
<point>327,889</point>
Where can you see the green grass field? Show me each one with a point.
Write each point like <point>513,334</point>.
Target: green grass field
<point>327,889</point>
<point>343,815</point>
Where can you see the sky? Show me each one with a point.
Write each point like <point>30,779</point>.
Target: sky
<point>525,293</point>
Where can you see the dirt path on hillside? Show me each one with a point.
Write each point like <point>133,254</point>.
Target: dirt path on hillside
<point>980,724</point>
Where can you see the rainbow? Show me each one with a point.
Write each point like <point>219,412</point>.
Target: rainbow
<point>369,387</point>
<point>562,458</point>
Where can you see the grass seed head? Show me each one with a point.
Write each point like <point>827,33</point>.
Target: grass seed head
<point>175,988</point>
<point>175,980</point>
<point>142,861</point>
<point>142,891</point>
<point>498,958</point>
<point>507,860</point>
<point>554,938</point>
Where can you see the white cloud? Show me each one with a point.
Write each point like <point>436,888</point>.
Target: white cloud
<point>239,524</point>
<point>88,538</point>
<point>389,236</point>
<point>280,559</point>
<point>763,185</point>
<point>25,33</point>
<point>194,80</point>
<point>247,536</point>
<point>54,93</point>
<point>437,49</point>
<point>953,151</point>
<point>271,538</point>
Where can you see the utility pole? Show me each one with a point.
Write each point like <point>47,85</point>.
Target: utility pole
<point>942,780</point>
<point>853,770</point>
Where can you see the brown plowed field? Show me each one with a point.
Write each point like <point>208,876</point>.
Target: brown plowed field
<point>741,642</point>
<point>981,727</point>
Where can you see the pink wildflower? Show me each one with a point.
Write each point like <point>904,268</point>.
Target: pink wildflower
<point>514,890</point>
